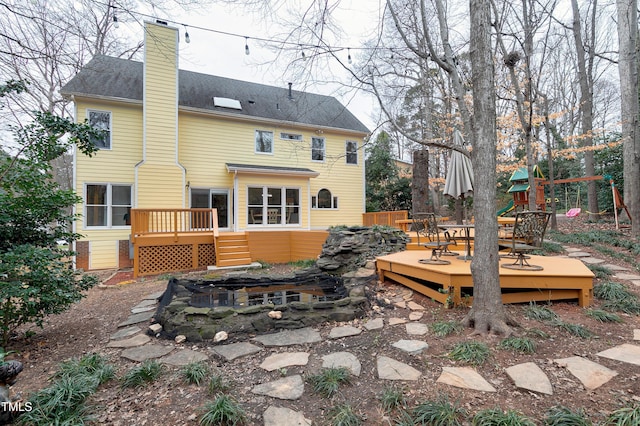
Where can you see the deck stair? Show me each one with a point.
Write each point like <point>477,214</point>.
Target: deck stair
<point>232,249</point>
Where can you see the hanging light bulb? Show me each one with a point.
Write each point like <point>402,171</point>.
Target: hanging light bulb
<point>186,35</point>
<point>246,46</point>
<point>115,21</point>
<point>349,55</point>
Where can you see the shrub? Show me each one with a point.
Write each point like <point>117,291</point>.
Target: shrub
<point>36,274</point>
<point>440,412</point>
<point>497,417</point>
<point>343,415</point>
<point>625,416</point>
<point>329,380</point>
<point>93,365</point>
<point>144,373</point>
<point>563,416</point>
<point>540,313</point>
<point>64,402</point>
<point>195,372</point>
<point>445,328</point>
<point>217,385</point>
<point>392,398</point>
<point>223,411</point>
<point>603,316</point>
<point>518,344</point>
<point>600,271</point>
<point>36,282</point>
<point>573,329</point>
<point>474,353</point>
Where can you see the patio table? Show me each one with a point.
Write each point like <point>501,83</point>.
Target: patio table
<point>466,234</point>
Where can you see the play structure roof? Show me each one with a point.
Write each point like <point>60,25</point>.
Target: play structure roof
<point>522,174</point>
<point>519,187</point>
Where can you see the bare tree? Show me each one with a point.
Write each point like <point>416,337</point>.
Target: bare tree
<point>488,313</point>
<point>628,70</point>
<point>586,56</point>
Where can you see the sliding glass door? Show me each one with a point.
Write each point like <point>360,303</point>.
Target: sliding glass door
<point>214,199</point>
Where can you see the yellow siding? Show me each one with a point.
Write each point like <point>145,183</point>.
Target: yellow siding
<point>160,186</point>
<point>160,95</point>
<point>109,166</point>
<point>208,143</point>
<point>103,254</point>
<point>160,179</point>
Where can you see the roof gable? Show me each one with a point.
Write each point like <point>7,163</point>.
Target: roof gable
<point>109,77</point>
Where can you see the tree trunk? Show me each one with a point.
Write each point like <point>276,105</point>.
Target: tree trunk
<point>488,313</point>
<point>420,183</point>
<point>586,106</point>
<point>628,69</point>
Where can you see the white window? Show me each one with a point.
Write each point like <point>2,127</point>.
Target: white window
<point>107,205</point>
<point>269,206</point>
<point>101,120</point>
<point>324,200</point>
<point>264,142</point>
<point>317,149</point>
<point>351,149</point>
<point>291,136</point>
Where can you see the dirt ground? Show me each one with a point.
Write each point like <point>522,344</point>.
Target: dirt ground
<point>86,328</point>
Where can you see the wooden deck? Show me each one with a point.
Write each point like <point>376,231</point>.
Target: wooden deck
<point>561,279</point>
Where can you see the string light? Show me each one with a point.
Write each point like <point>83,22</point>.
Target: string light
<point>327,48</point>
<point>186,35</point>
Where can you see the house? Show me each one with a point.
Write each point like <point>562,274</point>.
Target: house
<point>405,169</point>
<point>268,159</point>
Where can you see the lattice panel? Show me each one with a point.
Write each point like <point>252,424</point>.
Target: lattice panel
<point>206,255</point>
<point>158,259</point>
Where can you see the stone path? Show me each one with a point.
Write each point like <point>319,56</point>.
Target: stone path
<point>136,345</point>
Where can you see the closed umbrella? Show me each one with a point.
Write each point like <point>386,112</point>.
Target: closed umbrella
<point>459,183</point>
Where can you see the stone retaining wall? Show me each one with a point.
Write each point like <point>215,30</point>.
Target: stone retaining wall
<point>348,256</point>
<point>197,324</point>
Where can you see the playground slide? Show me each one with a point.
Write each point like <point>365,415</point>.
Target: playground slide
<point>506,209</point>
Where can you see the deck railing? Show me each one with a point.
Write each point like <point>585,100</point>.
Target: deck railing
<point>173,221</point>
<point>384,218</point>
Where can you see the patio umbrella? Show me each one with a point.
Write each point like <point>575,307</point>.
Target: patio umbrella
<point>459,181</point>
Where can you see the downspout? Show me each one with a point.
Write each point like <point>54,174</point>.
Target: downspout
<point>177,138</point>
<point>74,183</point>
<point>364,181</point>
<point>308,204</point>
<point>235,201</point>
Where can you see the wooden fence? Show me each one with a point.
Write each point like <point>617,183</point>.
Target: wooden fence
<point>384,218</point>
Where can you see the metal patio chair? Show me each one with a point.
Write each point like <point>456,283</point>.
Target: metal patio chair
<point>527,235</point>
<point>425,226</point>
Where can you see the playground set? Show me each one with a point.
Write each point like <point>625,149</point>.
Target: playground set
<point>520,191</point>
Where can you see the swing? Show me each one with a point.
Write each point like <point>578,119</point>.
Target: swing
<point>573,212</point>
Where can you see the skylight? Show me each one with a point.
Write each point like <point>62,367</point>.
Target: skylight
<point>227,103</point>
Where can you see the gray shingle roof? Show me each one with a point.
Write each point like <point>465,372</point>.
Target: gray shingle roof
<point>259,169</point>
<point>110,77</point>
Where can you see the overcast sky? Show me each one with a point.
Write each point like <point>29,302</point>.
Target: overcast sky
<point>211,52</point>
